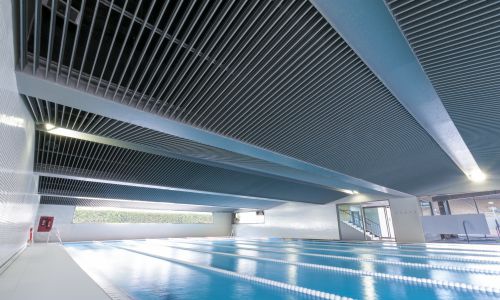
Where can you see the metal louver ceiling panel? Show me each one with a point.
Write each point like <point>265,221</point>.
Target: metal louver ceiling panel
<point>53,186</point>
<point>458,45</point>
<point>273,74</point>
<point>71,201</point>
<point>82,121</point>
<point>69,156</point>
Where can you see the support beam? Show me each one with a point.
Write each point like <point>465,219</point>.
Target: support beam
<point>35,86</point>
<point>368,27</point>
<point>407,220</point>
<point>227,164</point>
<point>147,192</point>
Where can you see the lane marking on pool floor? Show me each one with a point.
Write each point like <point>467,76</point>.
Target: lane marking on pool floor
<point>410,279</point>
<point>281,285</point>
<point>385,262</point>
<point>367,251</point>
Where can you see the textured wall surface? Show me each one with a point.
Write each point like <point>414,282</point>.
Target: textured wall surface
<point>295,220</point>
<point>63,222</point>
<point>18,201</point>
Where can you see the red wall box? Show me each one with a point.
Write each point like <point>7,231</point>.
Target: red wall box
<point>45,224</point>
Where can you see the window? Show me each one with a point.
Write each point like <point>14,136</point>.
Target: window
<point>127,215</point>
<point>426,208</point>
<point>250,217</point>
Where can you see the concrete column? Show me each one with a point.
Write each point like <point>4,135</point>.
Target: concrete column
<point>407,220</point>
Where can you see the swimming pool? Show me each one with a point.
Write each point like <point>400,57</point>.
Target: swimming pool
<point>199,268</point>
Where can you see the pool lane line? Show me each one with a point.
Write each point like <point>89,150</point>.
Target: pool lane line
<point>408,279</point>
<point>380,245</point>
<point>452,258</point>
<point>255,279</point>
<point>367,251</point>
<point>488,258</point>
<point>383,262</point>
<point>330,256</point>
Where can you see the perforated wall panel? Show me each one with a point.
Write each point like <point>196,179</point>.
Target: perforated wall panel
<point>18,201</point>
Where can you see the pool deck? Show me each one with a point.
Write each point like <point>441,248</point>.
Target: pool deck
<point>46,271</point>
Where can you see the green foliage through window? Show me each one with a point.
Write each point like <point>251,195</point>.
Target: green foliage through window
<point>119,215</point>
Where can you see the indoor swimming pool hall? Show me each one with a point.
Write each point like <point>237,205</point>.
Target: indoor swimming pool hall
<point>249,149</point>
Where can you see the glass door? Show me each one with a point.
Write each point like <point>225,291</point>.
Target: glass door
<point>378,221</point>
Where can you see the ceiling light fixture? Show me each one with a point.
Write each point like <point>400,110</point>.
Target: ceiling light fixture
<point>51,128</point>
<point>350,192</point>
<point>477,176</point>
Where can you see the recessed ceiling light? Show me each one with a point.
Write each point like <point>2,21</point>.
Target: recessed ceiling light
<point>52,129</point>
<point>350,192</point>
<point>490,203</point>
<point>49,126</point>
<point>477,176</point>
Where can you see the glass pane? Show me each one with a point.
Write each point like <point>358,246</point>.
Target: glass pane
<point>122,215</point>
<point>462,206</point>
<point>250,217</point>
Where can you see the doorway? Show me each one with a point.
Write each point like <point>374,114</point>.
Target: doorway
<point>378,220</point>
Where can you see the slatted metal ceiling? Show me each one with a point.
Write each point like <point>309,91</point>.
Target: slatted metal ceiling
<point>71,201</point>
<point>69,156</point>
<point>458,45</point>
<point>271,73</point>
<point>82,121</point>
<point>64,155</point>
<point>54,186</point>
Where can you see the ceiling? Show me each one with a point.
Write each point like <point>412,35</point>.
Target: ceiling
<point>246,104</point>
<point>458,46</point>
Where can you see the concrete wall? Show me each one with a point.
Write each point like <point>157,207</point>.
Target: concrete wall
<point>407,220</point>
<point>63,221</point>
<point>300,220</point>
<point>295,220</point>
<point>18,201</point>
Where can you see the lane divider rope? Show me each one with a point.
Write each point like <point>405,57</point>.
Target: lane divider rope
<point>449,258</point>
<point>277,284</point>
<point>378,245</point>
<point>387,262</point>
<point>410,279</point>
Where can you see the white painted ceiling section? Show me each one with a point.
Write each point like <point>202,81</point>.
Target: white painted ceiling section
<point>369,28</point>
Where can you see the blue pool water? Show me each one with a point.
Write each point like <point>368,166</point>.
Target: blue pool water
<point>290,269</point>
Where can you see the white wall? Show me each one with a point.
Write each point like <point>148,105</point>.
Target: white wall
<point>63,218</point>
<point>407,220</point>
<point>295,220</point>
<point>18,201</point>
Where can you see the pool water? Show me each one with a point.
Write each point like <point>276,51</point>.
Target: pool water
<point>290,269</point>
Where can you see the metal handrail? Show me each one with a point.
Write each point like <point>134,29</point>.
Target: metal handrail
<point>465,229</point>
